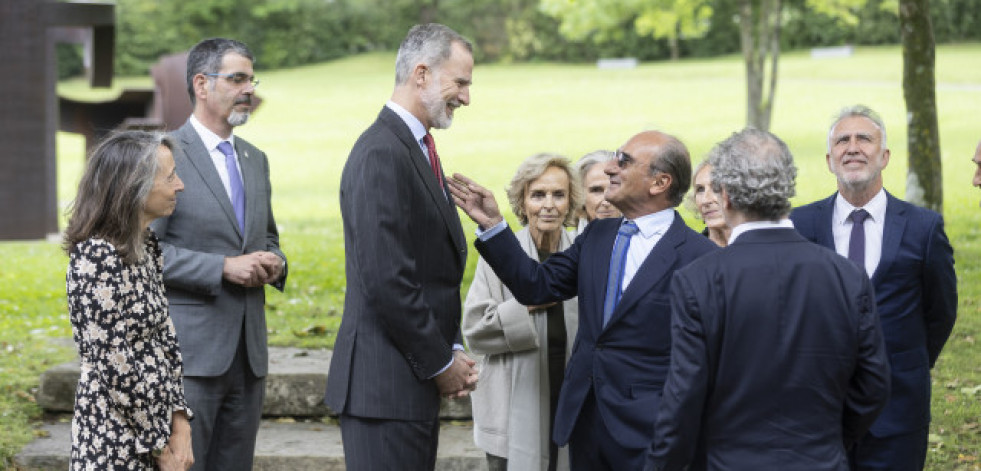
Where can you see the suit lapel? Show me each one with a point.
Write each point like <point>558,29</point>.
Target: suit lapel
<point>825,222</point>
<point>597,269</point>
<point>250,182</point>
<point>200,159</point>
<point>658,264</point>
<point>420,163</point>
<point>892,235</point>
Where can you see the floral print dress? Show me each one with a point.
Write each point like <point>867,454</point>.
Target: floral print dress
<point>131,365</point>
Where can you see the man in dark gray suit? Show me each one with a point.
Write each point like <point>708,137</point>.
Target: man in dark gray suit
<point>221,247</point>
<point>398,346</point>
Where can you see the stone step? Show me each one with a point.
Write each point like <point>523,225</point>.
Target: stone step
<point>294,387</point>
<point>299,446</point>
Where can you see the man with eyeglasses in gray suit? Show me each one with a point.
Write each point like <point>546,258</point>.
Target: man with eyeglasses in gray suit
<point>221,247</point>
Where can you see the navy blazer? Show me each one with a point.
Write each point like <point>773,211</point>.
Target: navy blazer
<point>405,253</point>
<point>777,363</point>
<point>916,297</point>
<point>625,363</point>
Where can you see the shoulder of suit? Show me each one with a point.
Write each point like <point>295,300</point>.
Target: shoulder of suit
<point>243,144</point>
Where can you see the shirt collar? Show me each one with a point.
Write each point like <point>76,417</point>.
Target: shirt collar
<point>415,126</point>
<point>653,224</point>
<point>210,139</point>
<point>876,207</point>
<point>755,225</point>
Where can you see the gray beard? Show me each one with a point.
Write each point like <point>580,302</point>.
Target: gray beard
<point>238,118</point>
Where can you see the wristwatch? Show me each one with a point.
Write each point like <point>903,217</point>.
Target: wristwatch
<point>158,451</point>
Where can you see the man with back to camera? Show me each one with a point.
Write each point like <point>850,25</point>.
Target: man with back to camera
<point>905,252</point>
<point>221,247</point>
<point>620,268</point>
<point>777,360</point>
<point>398,348</point>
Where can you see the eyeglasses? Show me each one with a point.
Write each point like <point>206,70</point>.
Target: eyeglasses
<point>238,79</point>
<point>623,159</point>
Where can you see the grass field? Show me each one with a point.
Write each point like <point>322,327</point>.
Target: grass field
<point>312,115</point>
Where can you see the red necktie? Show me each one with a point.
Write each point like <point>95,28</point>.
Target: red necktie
<point>433,157</point>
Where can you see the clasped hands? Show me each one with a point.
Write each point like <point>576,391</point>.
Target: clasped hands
<point>460,378</point>
<point>253,270</point>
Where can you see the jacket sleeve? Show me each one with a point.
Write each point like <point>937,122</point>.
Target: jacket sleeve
<point>868,388</point>
<point>533,283</point>
<point>493,321</point>
<point>939,281</point>
<point>679,415</point>
<point>272,231</point>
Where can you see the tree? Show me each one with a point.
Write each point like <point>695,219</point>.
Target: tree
<point>603,19</point>
<point>760,24</point>
<point>924,182</point>
<point>759,27</point>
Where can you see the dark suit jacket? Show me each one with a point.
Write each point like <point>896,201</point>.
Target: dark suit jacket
<point>777,363</point>
<point>916,297</point>
<point>405,255</point>
<point>209,312</point>
<point>625,363</point>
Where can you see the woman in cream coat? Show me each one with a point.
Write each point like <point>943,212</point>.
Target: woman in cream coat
<point>525,348</point>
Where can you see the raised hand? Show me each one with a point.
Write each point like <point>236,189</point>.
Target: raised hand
<point>475,200</point>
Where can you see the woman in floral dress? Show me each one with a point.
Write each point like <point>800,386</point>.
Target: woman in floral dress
<point>130,412</point>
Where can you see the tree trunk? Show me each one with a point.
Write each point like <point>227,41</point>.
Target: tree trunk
<point>924,182</point>
<point>759,26</point>
<point>754,74</point>
<point>427,11</point>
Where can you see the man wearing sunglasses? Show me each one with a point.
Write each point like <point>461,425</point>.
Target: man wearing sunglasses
<point>221,248</point>
<point>621,270</point>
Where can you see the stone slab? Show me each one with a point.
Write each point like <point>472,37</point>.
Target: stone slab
<point>294,387</point>
<point>289,446</point>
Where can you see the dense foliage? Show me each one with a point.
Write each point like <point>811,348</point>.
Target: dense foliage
<point>286,33</point>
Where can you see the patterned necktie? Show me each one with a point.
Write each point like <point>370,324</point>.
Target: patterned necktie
<point>614,283</point>
<point>235,182</point>
<point>856,243</point>
<point>433,157</point>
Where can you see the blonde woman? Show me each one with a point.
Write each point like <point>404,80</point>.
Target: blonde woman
<point>525,348</point>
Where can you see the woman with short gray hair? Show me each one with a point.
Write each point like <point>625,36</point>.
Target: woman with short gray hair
<point>525,348</point>
<point>594,183</point>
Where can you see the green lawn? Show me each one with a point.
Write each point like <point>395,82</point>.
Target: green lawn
<point>312,115</point>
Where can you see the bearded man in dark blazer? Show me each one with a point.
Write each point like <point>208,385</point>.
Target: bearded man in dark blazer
<point>220,248</point>
<point>906,254</point>
<point>398,348</point>
<point>777,360</point>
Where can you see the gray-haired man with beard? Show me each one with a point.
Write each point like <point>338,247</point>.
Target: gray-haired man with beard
<point>221,248</point>
<point>397,349</point>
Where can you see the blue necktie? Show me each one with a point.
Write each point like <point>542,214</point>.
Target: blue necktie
<point>614,283</point>
<point>235,182</point>
<point>856,243</point>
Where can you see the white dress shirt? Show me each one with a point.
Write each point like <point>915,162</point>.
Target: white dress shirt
<point>651,228</point>
<point>415,126</point>
<point>211,141</point>
<point>841,228</point>
<point>754,225</point>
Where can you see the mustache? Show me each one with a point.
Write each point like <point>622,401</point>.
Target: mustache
<point>245,100</point>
